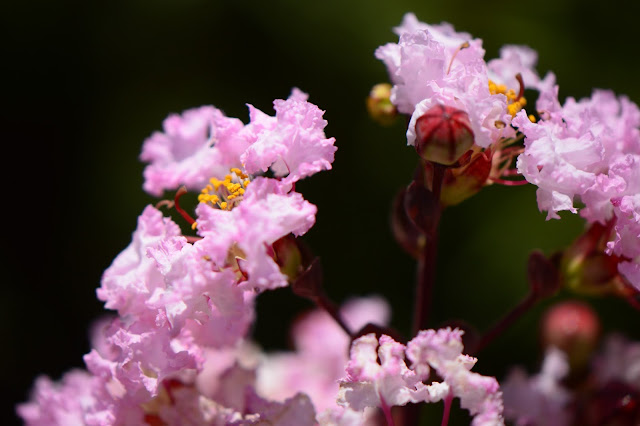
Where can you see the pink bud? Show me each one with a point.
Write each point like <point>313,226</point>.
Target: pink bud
<point>443,135</point>
<point>573,327</point>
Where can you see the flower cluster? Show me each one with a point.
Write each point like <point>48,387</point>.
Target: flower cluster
<point>378,376</point>
<point>178,348</point>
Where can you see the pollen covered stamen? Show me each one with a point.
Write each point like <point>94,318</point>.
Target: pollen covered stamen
<point>515,101</point>
<point>225,194</point>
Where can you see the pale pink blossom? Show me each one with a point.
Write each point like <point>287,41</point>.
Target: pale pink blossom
<point>516,60</point>
<point>292,143</point>
<point>267,213</point>
<point>378,376</point>
<point>315,367</point>
<point>64,403</point>
<point>203,143</point>
<point>540,399</point>
<point>201,296</point>
<point>132,277</point>
<point>588,151</point>
<point>143,354</point>
<point>434,64</point>
<point>199,143</point>
<point>619,360</point>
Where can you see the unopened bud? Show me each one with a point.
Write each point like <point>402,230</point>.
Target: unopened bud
<point>443,135</point>
<point>379,104</point>
<point>406,232</point>
<point>288,257</point>
<point>574,328</point>
<point>586,268</point>
<point>542,275</point>
<point>464,181</point>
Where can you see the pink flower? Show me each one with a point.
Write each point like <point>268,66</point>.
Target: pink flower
<point>200,143</point>
<point>142,355</point>
<point>390,381</point>
<point>133,276</point>
<point>267,213</point>
<point>65,403</point>
<point>619,361</point>
<point>292,144</point>
<point>161,276</point>
<point>433,64</point>
<point>540,399</point>
<point>588,151</point>
<point>203,143</point>
<point>316,367</point>
<point>200,296</point>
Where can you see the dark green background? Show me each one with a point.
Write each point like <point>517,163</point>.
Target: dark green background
<point>87,82</point>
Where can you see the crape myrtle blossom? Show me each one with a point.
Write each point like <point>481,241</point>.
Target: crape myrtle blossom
<point>378,375</point>
<point>267,213</point>
<point>203,143</point>
<point>618,361</point>
<point>435,65</point>
<point>180,297</point>
<point>318,362</point>
<point>606,392</point>
<point>588,151</point>
<point>233,385</point>
<point>540,399</point>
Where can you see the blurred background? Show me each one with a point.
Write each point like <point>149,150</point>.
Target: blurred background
<point>87,82</point>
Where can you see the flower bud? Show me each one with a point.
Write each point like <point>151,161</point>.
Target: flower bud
<point>406,232</point>
<point>574,328</point>
<point>443,135</point>
<point>542,275</point>
<point>379,104</point>
<point>288,256</point>
<point>586,268</point>
<point>462,182</point>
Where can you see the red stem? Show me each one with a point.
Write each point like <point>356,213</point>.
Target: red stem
<point>387,412</point>
<point>508,320</point>
<point>427,261</point>
<point>323,302</point>
<point>447,410</point>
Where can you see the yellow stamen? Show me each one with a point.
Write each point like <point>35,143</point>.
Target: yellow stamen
<point>225,194</point>
<point>514,103</point>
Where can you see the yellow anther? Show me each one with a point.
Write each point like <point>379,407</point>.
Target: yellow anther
<point>225,194</point>
<point>194,225</point>
<point>532,118</point>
